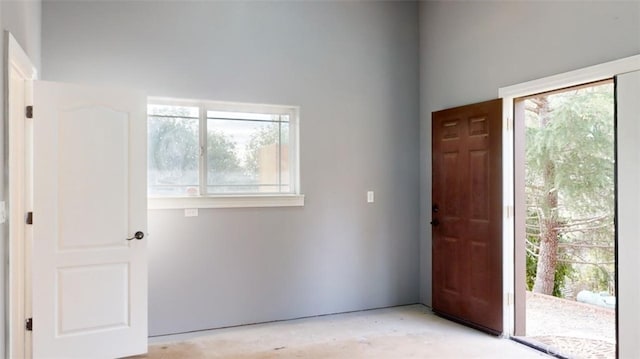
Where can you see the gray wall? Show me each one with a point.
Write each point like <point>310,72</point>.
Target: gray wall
<point>353,69</point>
<point>470,49</point>
<point>22,19</point>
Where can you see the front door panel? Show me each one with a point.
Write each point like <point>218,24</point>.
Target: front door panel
<point>467,214</point>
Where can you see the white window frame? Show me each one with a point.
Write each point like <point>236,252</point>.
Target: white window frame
<point>204,200</point>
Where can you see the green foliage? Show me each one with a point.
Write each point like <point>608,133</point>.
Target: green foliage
<point>532,263</point>
<point>271,134</point>
<point>174,149</point>
<point>579,142</point>
<point>563,272</point>
<point>173,145</point>
<point>570,140</point>
<point>222,163</point>
<point>602,279</point>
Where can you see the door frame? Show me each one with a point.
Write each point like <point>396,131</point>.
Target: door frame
<point>514,201</point>
<point>627,156</point>
<point>17,196</point>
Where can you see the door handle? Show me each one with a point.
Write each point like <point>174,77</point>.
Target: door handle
<point>435,222</point>
<point>435,208</point>
<point>139,235</point>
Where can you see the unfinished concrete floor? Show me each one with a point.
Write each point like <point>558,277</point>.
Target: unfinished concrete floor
<point>400,332</point>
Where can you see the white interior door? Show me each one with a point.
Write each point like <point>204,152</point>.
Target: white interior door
<point>628,212</point>
<point>89,279</point>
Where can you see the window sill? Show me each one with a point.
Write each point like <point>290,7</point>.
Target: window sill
<point>236,201</point>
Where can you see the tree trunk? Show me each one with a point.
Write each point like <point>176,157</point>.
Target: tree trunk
<point>548,253</point>
<point>547,258</point>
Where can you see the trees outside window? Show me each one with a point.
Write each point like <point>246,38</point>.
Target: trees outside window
<point>570,191</point>
<point>244,150</point>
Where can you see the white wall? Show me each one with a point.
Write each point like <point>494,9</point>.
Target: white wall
<point>22,19</point>
<point>353,69</point>
<point>470,49</point>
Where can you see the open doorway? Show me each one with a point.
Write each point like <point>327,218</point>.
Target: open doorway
<point>567,231</point>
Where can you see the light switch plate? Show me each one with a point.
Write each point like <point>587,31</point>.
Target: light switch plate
<point>370,197</point>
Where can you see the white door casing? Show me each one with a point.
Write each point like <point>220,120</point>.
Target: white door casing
<point>89,280</point>
<point>19,76</point>
<point>628,209</point>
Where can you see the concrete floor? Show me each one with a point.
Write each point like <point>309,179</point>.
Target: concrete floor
<point>399,332</point>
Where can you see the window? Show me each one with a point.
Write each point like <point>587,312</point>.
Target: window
<point>218,154</point>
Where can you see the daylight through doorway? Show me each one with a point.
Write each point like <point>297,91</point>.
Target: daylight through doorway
<point>569,233</point>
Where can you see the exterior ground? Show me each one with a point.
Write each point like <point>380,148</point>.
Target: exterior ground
<point>570,328</point>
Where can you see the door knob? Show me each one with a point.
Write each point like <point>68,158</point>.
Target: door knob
<point>435,222</point>
<point>435,208</point>
<point>138,235</point>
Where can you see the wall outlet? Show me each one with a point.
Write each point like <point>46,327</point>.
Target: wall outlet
<point>370,197</point>
<point>191,212</point>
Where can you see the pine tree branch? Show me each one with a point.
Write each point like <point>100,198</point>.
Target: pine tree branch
<point>582,221</point>
<point>531,244</point>
<point>570,261</point>
<point>576,245</point>
<point>585,229</point>
<point>532,253</point>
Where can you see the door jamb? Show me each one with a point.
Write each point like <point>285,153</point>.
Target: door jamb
<point>509,94</point>
<point>18,196</point>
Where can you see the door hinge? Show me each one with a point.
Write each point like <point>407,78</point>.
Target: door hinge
<point>29,112</point>
<point>29,218</point>
<point>509,211</point>
<point>509,123</point>
<point>509,299</point>
<point>28,324</point>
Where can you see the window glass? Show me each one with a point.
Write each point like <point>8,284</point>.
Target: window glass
<point>173,150</point>
<point>243,155</point>
<point>244,152</point>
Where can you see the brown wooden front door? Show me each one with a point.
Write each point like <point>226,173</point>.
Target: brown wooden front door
<point>467,214</point>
